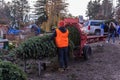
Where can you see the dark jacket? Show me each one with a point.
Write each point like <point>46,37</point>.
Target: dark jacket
<point>112,30</point>
<point>118,30</point>
<point>62,29</point>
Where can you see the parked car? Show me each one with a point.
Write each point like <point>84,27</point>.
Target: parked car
<point>93,26</point>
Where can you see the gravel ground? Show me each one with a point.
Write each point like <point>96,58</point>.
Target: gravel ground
<point>103,65</point>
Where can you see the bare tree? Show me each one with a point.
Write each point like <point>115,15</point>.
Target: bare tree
<point>5,13</point>
<point>53,9</point>
<point>18,9</point>
<point>93,9</point>
<point>118,11</point>
<point>107,9</point>
<point>56,9</point>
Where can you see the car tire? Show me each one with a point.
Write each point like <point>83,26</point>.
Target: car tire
<point>87,52</point>
<point>97,32</point>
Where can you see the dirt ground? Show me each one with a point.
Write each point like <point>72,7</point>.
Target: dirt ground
<point>103,65</point>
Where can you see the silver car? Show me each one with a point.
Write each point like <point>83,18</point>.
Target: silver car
<point>93,26</point>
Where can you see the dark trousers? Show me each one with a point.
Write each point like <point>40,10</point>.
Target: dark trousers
<point>111,35</point>
<point>63,57</point>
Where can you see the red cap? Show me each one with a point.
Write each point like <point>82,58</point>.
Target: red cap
<point>61,24</point>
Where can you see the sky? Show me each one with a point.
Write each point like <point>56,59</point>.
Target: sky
<point>79,7</point>
<point>76,7</point>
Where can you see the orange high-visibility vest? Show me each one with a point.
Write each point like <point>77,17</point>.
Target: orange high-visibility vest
<point>61,39</point>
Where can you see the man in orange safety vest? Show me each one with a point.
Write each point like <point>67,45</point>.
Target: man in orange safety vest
<point>61,40</point>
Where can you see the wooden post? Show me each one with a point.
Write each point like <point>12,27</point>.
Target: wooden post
<point>25,64</point>
<point>39,67</point>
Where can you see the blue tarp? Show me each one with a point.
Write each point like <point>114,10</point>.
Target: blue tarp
<point>14,31</point>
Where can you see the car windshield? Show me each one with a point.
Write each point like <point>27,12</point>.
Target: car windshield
<point>96,23</point>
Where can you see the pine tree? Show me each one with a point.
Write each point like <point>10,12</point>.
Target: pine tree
<point>40,10</point>
<point>18,9</point>
<point>93,9</point>
<point>50,10</point>
<point>107,9</point>
<point>5,13</point>
<point>23,8</point>
<point>118,11</point>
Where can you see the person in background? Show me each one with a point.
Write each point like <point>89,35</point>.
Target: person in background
<point>111,32</point>
<point>118,32</point>
<point>102,29</point>
<point>117,27</point>
<point>36,29</point>
<point>61,40</point>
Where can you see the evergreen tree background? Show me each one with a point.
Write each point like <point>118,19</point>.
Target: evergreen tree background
<point>98,10</point>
